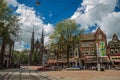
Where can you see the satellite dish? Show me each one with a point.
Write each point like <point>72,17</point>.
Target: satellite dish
<point>37,3</point>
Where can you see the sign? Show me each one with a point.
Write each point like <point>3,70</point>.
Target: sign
<point>101,50</point>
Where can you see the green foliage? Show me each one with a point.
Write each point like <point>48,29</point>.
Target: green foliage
<point>9,26</point>
<point>4,11</point>
<point>36,58</point>
<point>66,34</point>
<point>20,57</point>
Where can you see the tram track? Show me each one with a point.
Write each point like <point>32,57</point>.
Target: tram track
<point>9,74</point>
<point>23,74</point>
<point>43,76</point>
<point>33,76</point>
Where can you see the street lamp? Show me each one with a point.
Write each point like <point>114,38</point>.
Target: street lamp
<point>98,56</point>
<point>79,53</point>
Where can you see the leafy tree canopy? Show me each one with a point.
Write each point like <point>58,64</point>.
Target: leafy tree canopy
<point>9,25</point>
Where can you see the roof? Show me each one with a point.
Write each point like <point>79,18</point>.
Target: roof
<point>89,36</point>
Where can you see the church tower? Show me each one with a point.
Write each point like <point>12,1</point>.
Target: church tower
<point>42,48</point>
<point>32,47</point>
<point>42,37</point>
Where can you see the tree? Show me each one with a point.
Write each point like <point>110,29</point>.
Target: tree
<point>9,26</point>
<point>64,35</point>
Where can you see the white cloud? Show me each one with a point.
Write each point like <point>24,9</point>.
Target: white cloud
<point>12,2</point>
<point>29,20</point>
<point>111,24</point>
<point>103,15</point>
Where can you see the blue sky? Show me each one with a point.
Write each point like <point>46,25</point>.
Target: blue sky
<point>53,11</point>
<point>90,14</point>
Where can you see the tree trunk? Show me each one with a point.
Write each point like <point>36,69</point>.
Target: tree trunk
<point>2,52</point>
<point>68,56</point>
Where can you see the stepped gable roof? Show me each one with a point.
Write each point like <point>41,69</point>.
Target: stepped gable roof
<point>115,37</point>
<point>114,40</point>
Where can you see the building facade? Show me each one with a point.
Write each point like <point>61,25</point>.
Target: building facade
<point>6,53</point>
<point>114,50</point>
<point>90,50</point>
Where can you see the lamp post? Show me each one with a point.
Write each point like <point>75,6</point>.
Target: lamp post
<point>98,56</point>
<point>79,53</point>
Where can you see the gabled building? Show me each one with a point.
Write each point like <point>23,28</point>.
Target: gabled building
<point>114,50</point>
<point>90,50</point>
<point>93,47</point>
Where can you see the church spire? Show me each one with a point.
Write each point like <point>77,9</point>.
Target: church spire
<point>42,37</point>
<point>32,48</point>
<point>32,41</point>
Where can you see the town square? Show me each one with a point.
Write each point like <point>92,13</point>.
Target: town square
<point>59,40</point>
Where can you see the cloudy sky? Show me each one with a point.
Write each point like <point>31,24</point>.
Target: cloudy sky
<point>90,14</point>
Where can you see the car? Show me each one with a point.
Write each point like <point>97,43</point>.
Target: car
<point>45,68</point>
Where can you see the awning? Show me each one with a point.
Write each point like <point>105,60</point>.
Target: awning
<point>91,62</point>
<point>52,61</point>
<point>60,61</point>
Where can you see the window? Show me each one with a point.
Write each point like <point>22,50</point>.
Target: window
<point>111,52</point>
<point>99,36</point>
<point>111,44</point>
<point>116,52</point>
<point>76,54</point>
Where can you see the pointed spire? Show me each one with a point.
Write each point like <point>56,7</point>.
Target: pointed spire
<point>33,34</point>
<point>42,37</point>
<point>32,47</point>
<point>32,41</point>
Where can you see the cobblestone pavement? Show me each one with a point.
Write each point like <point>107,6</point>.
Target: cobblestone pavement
<point>85,75</point>
<point>22,74</point>
<point>80,75</point>
<point>31,74</point>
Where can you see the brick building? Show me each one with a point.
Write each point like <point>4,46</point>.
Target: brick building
<point>90,50</point>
